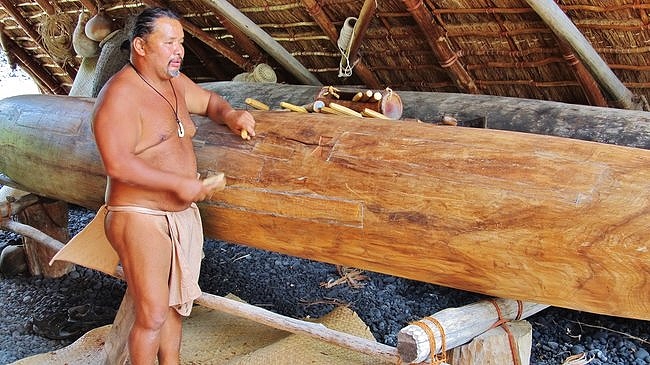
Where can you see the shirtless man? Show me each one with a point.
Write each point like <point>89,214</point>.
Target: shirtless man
<point>144,133</point>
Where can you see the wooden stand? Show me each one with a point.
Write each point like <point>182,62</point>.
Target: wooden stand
<point>493,347</point>
<point>52,219</point>
<point>460,325</point>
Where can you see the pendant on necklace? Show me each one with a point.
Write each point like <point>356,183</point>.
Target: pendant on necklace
<point>181,129</point>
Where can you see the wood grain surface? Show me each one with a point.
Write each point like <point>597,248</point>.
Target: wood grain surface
<point>514,215</point>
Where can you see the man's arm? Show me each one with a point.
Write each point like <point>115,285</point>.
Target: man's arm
<point>207,103</point>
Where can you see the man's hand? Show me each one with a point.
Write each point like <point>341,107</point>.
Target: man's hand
<point>241,122</point>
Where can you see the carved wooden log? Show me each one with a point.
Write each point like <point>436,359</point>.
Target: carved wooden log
<point>536,218</point>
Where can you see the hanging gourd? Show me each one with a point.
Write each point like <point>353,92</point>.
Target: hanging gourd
<point>99,26</point>
<point>83,46</point>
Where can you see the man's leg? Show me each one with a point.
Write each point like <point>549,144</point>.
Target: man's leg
<point>170,339</point>
<point>143,244</point>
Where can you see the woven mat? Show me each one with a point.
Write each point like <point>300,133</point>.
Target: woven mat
<point>212,337</point>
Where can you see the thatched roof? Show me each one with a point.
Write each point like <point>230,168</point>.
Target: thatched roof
<point>493,47</point>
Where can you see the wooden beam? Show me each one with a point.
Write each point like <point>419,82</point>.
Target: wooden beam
<point>46,6</point>
<point>587,82</point>
<point>316,11</point>
<point>255,54</point>
<point>194,46</point>
<point>270,45</point>
<point>36,38</point>
<point>88,4</point>
<point>34,68</point>
<point>368,10</point>
<point>11,9</point>
<point>440,46</point>
<point>563,27</point>
<point>206,38</point>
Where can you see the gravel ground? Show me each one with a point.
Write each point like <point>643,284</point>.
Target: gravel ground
<point>291,286</point>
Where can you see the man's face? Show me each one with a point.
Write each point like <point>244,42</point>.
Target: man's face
<point>165,44</point>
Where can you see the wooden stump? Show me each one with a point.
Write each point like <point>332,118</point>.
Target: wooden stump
<point>50,218</point>
<point>493,347</point>
<point>116,349</point>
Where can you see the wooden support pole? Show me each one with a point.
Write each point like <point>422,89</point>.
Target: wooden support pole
<point>368,11</point>
<point>316,12</point>
<point>50,217</point>
<point>589,85</point>
<point>314,330</point>
<point>241,40</point>
<point>440,46</point>
<point>88,4</point>
<point>460,326</point>
<point>563,27</point>
<point>265,41</point>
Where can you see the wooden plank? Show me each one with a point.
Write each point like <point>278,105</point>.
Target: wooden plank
<point>521,216</point>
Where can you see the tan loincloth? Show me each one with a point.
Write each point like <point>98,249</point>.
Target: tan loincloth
<point>91,248</point>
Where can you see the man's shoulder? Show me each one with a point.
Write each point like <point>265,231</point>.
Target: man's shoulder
<point>122,83</point>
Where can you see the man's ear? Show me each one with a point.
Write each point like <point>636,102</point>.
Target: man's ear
<point>138,45</point>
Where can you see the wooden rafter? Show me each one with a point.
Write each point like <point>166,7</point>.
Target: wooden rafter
<point>439,44</point>
<point>42,77</point>
<point>35,37</point>
<point>210,41</point>
<point>46,6</point>
<point>555,18</point>
<point>89,5</point>
<point>316,11</point>
<point>194,46</point>
<point>587,82</point>
<point>264,40</point>
<point>255,54</point>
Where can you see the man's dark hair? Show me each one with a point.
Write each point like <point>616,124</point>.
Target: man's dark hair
<point>145,21</point>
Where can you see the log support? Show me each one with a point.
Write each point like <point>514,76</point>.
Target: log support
<point>453,327</point>
<point>497,346</point>
<point>52,219</point>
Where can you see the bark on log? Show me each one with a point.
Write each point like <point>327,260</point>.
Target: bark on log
<point>535,218</point>
<point>606,125</point>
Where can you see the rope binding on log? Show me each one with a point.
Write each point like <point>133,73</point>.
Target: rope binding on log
<point>502,322</point>
<point>436,359</point>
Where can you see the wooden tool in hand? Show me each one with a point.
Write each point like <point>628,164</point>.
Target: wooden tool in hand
<point>216,182</point>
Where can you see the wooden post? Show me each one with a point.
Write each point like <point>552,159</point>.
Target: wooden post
<point>52,219</point>
<point>116,350</point>
<point>494,348</point>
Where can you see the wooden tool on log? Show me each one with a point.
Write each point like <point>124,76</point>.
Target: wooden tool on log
<point>293,108</point>
<point>256,104</point>
<point>535,218</point>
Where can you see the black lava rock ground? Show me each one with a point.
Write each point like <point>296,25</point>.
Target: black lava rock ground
<point>292,287</point>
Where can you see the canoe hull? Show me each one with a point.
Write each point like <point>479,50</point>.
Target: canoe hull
<point>521,216</point>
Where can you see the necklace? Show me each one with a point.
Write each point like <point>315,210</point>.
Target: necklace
<point>181,129</point>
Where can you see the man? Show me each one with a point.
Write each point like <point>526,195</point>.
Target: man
<point>143,131</point>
